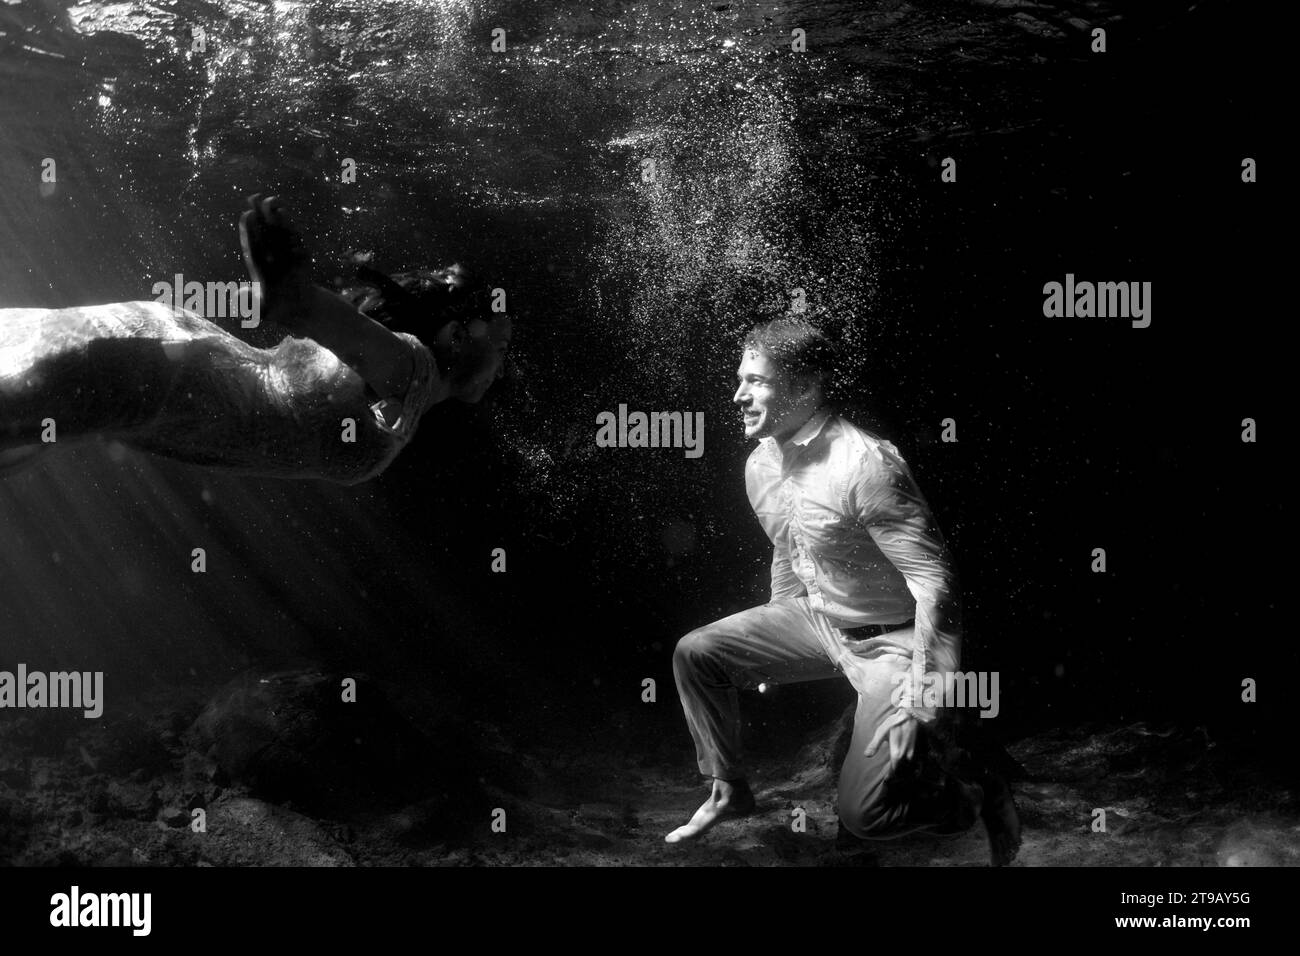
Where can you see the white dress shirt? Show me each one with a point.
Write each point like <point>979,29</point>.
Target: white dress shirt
<point>852,532</point>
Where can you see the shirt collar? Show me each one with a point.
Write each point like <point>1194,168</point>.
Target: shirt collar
<point>811,428</point>
<point>807,433</point>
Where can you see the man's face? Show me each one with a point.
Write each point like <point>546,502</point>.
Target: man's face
<point>770,404</point>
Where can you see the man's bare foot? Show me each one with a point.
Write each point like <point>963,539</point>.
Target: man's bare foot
<point>729,800</point>
<point>277,261</point>
<point>1000,819</point>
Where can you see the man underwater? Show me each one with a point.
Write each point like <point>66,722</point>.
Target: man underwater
<point>863,585</point>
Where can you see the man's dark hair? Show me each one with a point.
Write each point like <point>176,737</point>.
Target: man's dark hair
<point>797,346</point>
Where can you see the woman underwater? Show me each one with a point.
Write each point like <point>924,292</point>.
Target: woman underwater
<point>337,399</point>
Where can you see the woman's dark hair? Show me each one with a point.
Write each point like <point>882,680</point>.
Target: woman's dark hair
<point>422,301</point>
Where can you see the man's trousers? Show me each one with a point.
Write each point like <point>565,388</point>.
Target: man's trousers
<point>784,642</point>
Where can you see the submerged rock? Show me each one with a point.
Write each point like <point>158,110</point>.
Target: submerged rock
<point>291,736</point>
<point>173,817</point>
<point>130,800</point>
<point>247,832</point>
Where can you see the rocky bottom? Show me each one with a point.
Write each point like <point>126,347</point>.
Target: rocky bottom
<point>139,792</point>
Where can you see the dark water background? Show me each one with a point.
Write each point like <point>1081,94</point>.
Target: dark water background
<point>776,170</point>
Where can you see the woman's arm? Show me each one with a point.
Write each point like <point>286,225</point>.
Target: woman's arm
<point>280,266</point>
<point>379,356</point>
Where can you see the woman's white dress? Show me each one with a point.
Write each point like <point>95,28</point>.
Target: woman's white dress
<point>171,382</point>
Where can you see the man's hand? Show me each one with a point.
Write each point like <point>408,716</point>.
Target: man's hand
<point>901,728</point>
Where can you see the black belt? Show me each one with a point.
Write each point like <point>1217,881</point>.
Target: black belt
<point>873,630</point>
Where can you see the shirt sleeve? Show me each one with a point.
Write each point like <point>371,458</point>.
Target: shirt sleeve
<point>887,503</point>
<point>785,583</point>
<point>399,418</point>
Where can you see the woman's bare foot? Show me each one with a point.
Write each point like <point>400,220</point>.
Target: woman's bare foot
<point>729,800</point>
<point>278,262</point>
